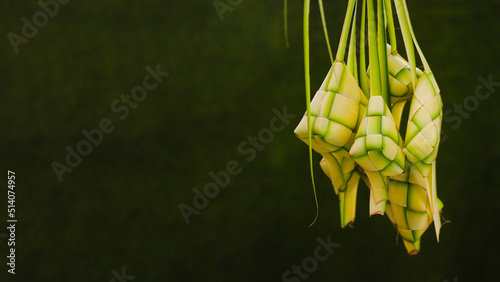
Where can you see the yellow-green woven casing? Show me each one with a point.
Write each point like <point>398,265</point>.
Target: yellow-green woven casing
<point>409,207</point>
<point>400,81</point>
<point>336,111</point>
<point>377,147</point>
<point>424,124</point>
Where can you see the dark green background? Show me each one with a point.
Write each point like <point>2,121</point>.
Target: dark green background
<point>119,208</point>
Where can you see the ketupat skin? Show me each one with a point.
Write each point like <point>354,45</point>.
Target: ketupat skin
<point>409,208</point>
<point>377,147</point>
<point>336,111</point>
<point>424,125</point>
<point>359,137</point>
<point>430,107</point>
<point>400,82</point>
<point>333,116</point>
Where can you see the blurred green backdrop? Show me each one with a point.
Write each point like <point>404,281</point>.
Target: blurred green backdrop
<point>119,207</point>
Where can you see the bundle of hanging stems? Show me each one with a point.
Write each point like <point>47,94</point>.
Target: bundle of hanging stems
<point>354,120</point>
